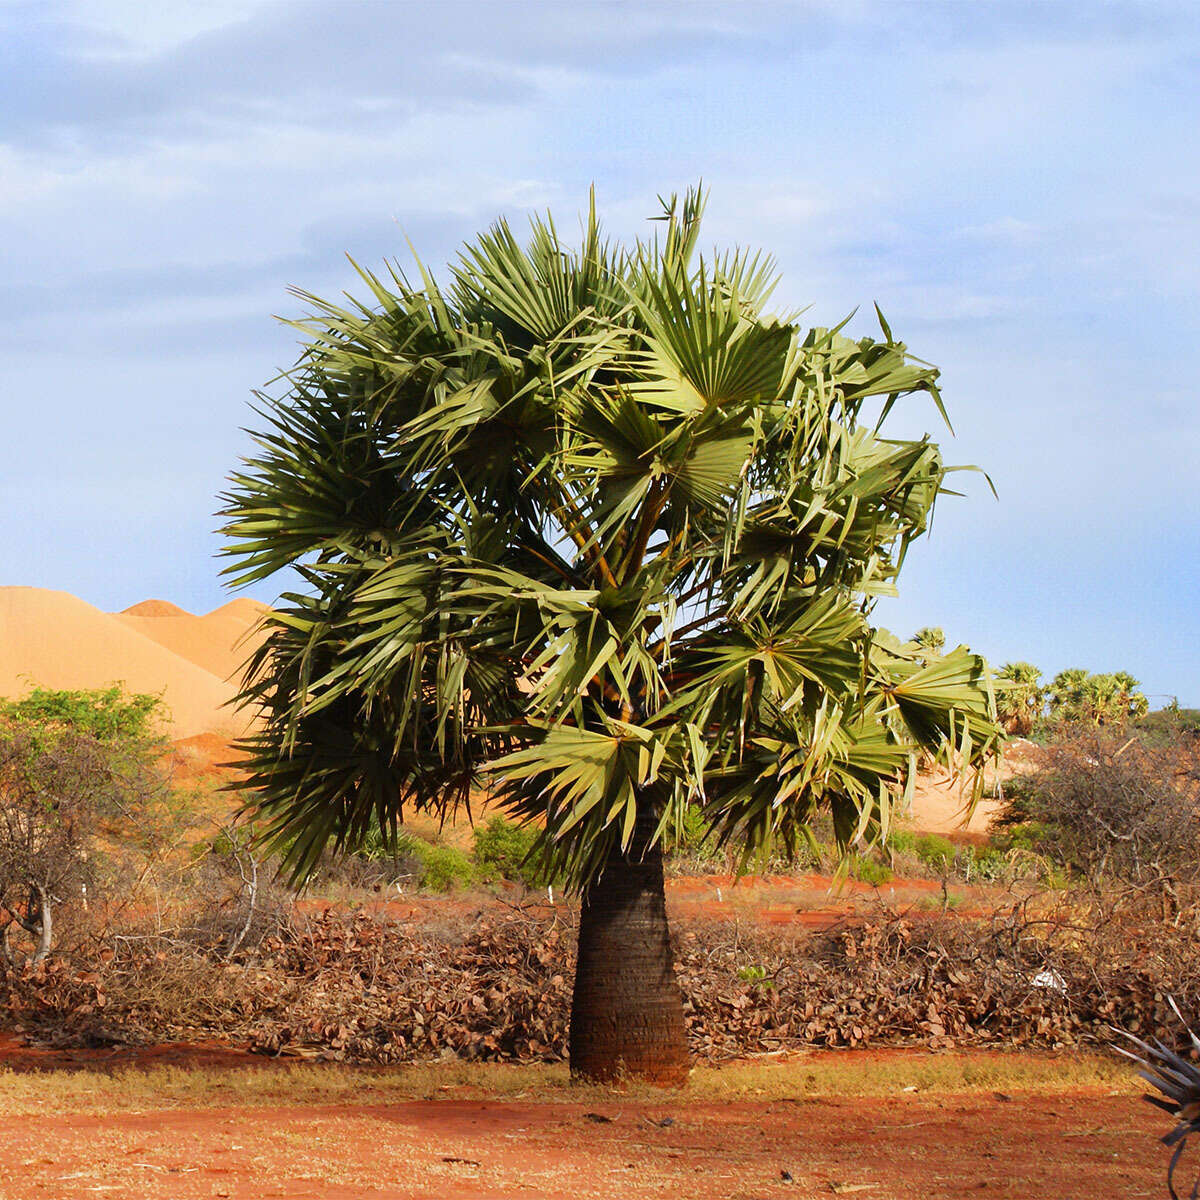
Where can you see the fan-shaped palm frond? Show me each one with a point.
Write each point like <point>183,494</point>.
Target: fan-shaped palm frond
<point>591,527</point>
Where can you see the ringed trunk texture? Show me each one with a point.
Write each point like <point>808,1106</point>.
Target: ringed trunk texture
<point>627,1010</point>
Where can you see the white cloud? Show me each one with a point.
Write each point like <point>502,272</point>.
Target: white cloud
<point>136,29</point>
<point>1016,186</point>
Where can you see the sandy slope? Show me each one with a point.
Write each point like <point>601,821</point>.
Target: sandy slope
<point>940,804</point>
<point>219,642</point>
<point>56,640</point>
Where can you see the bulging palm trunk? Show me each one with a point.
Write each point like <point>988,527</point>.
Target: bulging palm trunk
<point>627,1011</point>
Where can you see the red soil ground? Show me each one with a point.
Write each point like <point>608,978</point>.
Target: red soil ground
<point>1037,1147</point>
<point>807,901</point>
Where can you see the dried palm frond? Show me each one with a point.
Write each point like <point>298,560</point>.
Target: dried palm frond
<point>1179,1082</point>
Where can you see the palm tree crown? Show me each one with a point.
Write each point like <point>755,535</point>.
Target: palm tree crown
<point>593,526</point>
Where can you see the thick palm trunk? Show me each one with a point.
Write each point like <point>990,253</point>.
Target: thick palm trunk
<point>627,1012</point>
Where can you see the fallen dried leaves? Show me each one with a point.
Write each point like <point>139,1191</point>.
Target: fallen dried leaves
<point>365,988</point>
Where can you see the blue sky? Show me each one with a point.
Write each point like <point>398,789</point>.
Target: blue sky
<point>1016,184</point>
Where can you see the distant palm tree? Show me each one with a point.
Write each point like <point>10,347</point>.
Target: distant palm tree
<point>1106,699</point>
<point>930,638</point>
<point>1020,698</point>
<point>591,525</point>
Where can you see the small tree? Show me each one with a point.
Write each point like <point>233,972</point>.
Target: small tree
<point>595,526</point>
<point>74,766</point>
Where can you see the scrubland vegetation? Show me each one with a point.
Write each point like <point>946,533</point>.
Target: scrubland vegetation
<point>1080,911</point>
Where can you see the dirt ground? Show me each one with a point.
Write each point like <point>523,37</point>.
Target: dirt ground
<point>1033,1147</point>
<point>1038,1144</point>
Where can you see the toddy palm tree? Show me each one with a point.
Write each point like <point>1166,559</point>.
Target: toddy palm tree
<point>1020,698</point>
<point>929,639</point>
<point>1107,699</point>
<point>593,529</point>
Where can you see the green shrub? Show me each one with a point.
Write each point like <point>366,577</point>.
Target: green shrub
<point>985,862</point>
<point>442,868</point>
<point>935,851</point>
<point>871,872</point>
<point>1057,878</point>
<point>902,841</point>
<point>502,850</point>
<point>691,837</point>
<point>1019,800</point>
<point>106,714</point>
<point>375,847</point>
<point>1027,835</point>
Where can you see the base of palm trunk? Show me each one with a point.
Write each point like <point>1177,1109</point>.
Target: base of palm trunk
<point>627,1011</point>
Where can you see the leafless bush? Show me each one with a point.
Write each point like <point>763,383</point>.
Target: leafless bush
<point>1123,815</point>
<point>235,897</point>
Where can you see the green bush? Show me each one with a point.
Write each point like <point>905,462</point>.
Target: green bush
<point>502,850</point>
<point>902,841</point>
<point>1026,835</point>
<point>1057,878</point>
<point>935,851</point>
<point>985,862</point>
<point>871,872</point>
<point>442,868</point>
<point>106,714</point>
<point>690,837</point>
<point>1019,795</point>
<point>375,847</point>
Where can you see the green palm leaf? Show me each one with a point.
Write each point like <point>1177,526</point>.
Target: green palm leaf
<point>592,527</point>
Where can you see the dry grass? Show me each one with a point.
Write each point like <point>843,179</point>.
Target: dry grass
<point>800,1077</point>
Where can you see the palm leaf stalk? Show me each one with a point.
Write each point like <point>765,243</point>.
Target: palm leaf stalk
<point>1179,1082</point>
<point>590,528</point>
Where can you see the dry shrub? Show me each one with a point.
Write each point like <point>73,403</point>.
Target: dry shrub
<point>362,988</point>
<point>939,981</point>
<point>1123,812</point>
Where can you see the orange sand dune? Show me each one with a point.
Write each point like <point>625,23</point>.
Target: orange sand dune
<point>54,640</point>
<point>219,642</point>
<point>940,804</point>
<point>244,609</point>
<point>941,801</point>
<point>205,755</point>
<point>155,608</point>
